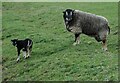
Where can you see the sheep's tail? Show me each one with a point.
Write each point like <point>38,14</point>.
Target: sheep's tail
<point>109,29</point>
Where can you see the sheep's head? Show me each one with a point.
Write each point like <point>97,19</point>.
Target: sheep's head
<point>68,15</point>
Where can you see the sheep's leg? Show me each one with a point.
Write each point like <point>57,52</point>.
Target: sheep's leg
<point>102,36</point>
<point>104,45</point>
<point>77,39</point>
<point>97,38</point>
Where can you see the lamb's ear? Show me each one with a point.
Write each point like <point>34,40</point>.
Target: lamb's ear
<point>16,40</point>
<point>11,40</point>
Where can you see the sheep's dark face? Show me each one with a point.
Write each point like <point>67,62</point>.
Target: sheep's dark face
<point>68,15</point>
<point>14,42</point>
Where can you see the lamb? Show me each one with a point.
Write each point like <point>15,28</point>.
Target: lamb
<point>24,45</point>
<point>79,22</point>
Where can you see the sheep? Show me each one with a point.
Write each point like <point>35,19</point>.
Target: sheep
<point>79,22</point>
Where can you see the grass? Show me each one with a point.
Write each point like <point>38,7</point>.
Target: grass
<point>53,56</point>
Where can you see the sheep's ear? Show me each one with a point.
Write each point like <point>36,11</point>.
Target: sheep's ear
<point>63,11</point>
<point>73,10</point>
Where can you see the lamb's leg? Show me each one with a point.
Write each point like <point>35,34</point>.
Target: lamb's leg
<point>25,54</point>
<point>77,39</point>
<point>28,55</point>
<point>18,58</point>
<point>29,49</point>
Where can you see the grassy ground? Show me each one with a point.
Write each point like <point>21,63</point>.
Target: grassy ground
<point>54,57</point>
<point>0,43</point>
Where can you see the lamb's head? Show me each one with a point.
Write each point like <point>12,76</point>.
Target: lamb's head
<point>14,42</point>
<point>68,15</point>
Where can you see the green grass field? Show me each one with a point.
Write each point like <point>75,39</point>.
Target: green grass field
<point>53,56</point>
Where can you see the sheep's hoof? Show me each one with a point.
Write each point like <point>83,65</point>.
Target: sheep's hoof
<point>28,56</point>
<point>74,44</point>
<point>78,42</point>
<point>105,49</point>
<point>17,61</point>
<point>25,57</point>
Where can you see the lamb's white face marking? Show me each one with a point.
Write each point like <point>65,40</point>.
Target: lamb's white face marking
<point>24,54</point>
<point>15,43</point>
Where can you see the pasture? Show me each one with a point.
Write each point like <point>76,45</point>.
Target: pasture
<point>53,56</point>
